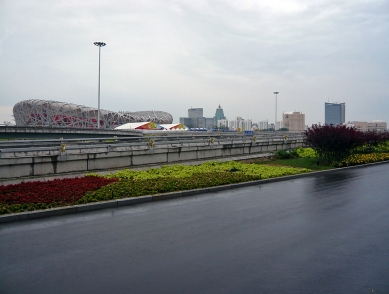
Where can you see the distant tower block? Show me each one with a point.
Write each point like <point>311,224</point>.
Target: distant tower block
<point>219,115</point>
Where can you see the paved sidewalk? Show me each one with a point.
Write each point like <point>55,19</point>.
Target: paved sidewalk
<point>143,167</point>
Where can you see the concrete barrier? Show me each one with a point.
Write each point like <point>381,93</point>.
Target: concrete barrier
<point>24,162</point>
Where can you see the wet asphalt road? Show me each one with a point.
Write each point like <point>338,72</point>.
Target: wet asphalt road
<point>326,233</point>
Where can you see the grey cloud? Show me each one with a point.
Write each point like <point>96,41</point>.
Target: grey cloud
<point>176,54</point>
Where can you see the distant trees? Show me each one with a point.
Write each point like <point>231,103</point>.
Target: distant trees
<point>333,143</point>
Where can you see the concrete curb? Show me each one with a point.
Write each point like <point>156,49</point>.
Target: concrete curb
<point>73,209</point>
<point>166,196</point>
<point>157,197</point>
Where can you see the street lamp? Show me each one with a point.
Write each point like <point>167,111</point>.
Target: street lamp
<point>275,122</point>
<point>100,44</point>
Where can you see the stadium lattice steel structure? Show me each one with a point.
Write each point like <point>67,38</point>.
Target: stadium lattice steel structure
<point>62,114</point>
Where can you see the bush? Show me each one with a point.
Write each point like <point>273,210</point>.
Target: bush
<point>333,143</point>
<point>286,154</point>
<point>375,139</point>
<point>306,152</point>
<point>369,148</point>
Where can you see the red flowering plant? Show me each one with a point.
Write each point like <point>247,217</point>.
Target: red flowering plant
<point>47,194</point>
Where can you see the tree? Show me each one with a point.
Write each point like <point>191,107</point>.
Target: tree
<point>333,143</point>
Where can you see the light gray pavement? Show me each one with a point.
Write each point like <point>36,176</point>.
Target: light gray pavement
<point>323,233</point>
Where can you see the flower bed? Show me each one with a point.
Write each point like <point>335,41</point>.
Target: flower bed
<point>357,159</point>
<point>48,194</point>
<point>184,171</point>
<point>129,183</point>
<point>138,187</point>
<point>181,177</point>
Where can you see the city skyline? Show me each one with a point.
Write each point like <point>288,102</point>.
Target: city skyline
<point>173,55</point>
<point>258,122</point>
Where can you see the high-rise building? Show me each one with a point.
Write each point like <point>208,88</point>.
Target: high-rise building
<point>195,112</point>
<point>278,125</point>
<point>219,114</point>
<point>240,124</point>
<point>195,119</point>
<point>335,113</point>
<point>263,125</point>
<point>248,125</point>
<point>222,124</point>
<point>294,121</point>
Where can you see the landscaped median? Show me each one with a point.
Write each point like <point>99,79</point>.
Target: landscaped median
<point>31,196</point>
<point>61,196</point>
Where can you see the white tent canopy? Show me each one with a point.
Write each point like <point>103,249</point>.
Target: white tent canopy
<point>131,126</point>
<point>172,126</point>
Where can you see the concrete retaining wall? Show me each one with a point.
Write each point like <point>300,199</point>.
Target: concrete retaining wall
<point>23,163</point>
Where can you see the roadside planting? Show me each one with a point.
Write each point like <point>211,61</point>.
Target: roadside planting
<point>128,183</point>
<point>37,195</point>
<point>357,159</point>
<point>30,196</point>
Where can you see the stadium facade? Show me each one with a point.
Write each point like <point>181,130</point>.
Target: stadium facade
<point>62,114</point>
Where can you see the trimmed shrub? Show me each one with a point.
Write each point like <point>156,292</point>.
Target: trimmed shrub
<point>306,152</point>
<point>333,143</point>
<point>286,154</point>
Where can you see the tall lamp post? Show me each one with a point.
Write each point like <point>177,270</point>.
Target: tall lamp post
<point>275,121</point>
<point>100,44</point>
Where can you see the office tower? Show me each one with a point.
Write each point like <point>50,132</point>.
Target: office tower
<point>196,119</point>
<point>294,121</point>
<point>335,113</point>
<point>195,112</point>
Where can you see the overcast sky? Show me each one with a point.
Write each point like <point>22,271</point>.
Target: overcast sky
<point>172,55</point>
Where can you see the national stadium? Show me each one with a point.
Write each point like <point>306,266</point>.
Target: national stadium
<point>46,113</point>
